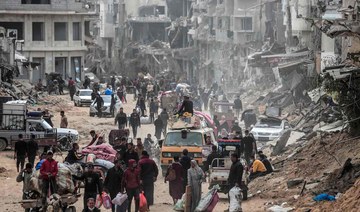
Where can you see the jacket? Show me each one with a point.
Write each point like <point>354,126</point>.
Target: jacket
<point>148,169</point>
<point>237,104</point>
<point>92,181</point>
<point>235,175</point>
<point>48,166</point>
<point>164,116</point>
<point>121,119</point>
<point>113,180</point>
<point>187,106</point>
<point>131,177</point>
<point>135,119</point>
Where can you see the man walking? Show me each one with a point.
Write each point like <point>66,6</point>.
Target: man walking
<point>20,153</point>
<point>148,174</point>
<point>236,172</point>
<point>130,154</point>
<point>135,122</point>
<point>148,142</point>
<point>249,146</point>
<point>112,184</point>
<point>164,116</point>
<point>48,172</point>
<point>121,119</point>
<point>63,121</point>
<point>32,149</point>
<point>99,103</point>
<point>158,127</point>
<point>72,88</point>
<point>131,182</point>
<point>185,161</point>
<point>92,181</point>
<point>237,106</point>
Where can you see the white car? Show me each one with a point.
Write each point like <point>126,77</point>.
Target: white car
<point>268,129</point>
<point>82,97</point>
<point>106,106</point>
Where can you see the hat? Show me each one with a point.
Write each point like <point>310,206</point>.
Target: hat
<point>49,152</point>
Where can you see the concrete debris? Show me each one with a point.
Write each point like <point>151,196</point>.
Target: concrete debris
<point>277,208</point>
<point>294,182</point>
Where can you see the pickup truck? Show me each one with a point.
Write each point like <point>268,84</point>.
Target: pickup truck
<point>14,120</point>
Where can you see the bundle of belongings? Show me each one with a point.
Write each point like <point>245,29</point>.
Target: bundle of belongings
<point>102,151</point>
<point>64,180</point>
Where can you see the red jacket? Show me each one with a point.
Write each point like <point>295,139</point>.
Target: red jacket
<point>49,166</point>
<point>131,178</point>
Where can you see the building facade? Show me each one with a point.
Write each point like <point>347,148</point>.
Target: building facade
<point>53,34</point>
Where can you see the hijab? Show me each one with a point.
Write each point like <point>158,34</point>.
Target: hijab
<point>197,169</point>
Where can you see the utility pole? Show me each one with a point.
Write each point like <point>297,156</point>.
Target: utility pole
<point>289,24</point>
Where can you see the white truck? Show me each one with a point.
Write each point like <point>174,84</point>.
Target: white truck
<point>15,120</point>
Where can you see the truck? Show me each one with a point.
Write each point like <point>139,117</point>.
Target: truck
<point>182,135</point>
<point>15,119</point>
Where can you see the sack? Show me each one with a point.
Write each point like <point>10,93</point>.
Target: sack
<point>98,201</point>
<point>171,175</point>
<point>206,201</point>
<point>143,203</point>
<point>106,200</point>
<point>213,203</point>
<point>235,199</point>
<point>119,199</point>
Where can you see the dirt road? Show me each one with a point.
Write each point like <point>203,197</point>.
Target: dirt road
<point>79,119</point>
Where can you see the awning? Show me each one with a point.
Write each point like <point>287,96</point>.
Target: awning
<point>20,57</point>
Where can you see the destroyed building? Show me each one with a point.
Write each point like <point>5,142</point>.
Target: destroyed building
<point>52,33</point>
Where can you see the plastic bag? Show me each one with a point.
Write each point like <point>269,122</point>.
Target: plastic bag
<point>120,198</point>
<point>106,200</point>
<point>235,199</point>
<point>98,202</point>
<point>143,203</point>
<point>180,204</point>
<point>324,196</point>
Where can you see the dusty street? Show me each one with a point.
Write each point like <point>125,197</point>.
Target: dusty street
<point>79,119</point>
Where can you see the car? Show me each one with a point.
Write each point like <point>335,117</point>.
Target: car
<point>83,97</point>
<point>106,106</point>
<point>269,128</point>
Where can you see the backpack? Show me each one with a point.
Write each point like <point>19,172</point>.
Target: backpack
<point>171,174</point>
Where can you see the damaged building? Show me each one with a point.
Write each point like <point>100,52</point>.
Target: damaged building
<point>52,34</point>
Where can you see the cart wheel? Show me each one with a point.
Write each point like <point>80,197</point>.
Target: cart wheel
<point>70,209</point>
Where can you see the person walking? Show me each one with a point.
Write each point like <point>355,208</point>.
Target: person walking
<point>112,183</point>
<point>141,105</point>
<point>238,106</point>
<point>32,149</point>
<point>195,176</point>
<point>87,82</point>
<point>249,146</point>
<point>63,121</point>
<point>152,108</point>
<point>47,117</point>
<point>148,142</point>
<point>134,122</point>
<point>112,105</point>
<point>158,127</point>
<point>185,161</point>
<point>92,183</point>
<point>121,119</point>
<point>72,88</point>
<point>25,176</point>
<point>20,153</point>
<point>130,154</point>
<point>148,175</point>
<point>139,147</point>
<point>48,172</point>
<point>176,188</point>
<point>164,116</point>
<point>131,182</point>
<point>99,103</point>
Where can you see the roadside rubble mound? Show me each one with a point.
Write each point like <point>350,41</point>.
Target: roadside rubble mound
<point>308,168</point>
<point>349,201</point>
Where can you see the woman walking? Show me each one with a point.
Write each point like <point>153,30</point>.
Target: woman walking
<point>195,177</point>
<point>174,175</point>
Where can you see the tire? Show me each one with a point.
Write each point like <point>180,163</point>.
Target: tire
<point>75,104</point>
<point>70,209</point>
<point>3,144</point>
<point>92,115</point>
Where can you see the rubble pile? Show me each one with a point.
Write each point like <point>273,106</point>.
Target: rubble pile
<point>20,89</point>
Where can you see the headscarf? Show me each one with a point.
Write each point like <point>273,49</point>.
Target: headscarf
<point>196,168</point>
